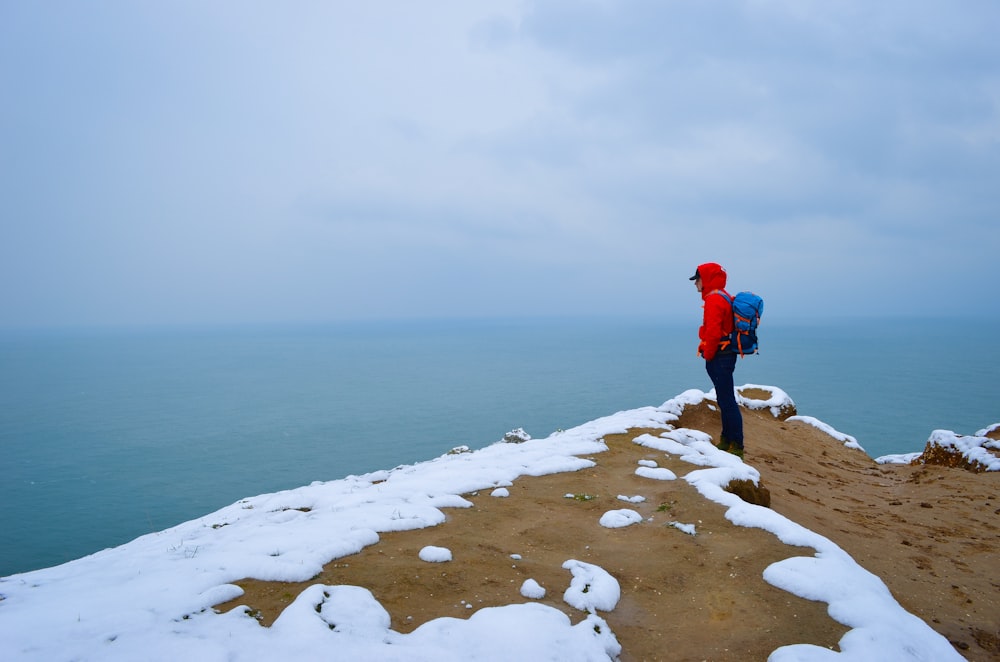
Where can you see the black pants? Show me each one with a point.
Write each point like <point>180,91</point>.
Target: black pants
<point>720,370</point>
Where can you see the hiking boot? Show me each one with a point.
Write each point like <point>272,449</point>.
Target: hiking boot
<point>724,444</point>
<point>736,450</point>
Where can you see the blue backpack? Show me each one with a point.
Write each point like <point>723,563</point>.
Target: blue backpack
<point>747,309</point>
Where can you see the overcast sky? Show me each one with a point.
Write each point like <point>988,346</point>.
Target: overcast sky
<point>240,161</point>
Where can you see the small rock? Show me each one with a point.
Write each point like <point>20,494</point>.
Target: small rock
<point>749,492</point>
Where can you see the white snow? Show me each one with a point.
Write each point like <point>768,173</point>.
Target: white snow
<point>152,598</point>
<point>975,449</point>
<point>433,554</point>
<point>501,492</point>
<point>988,430</point>
<point>660,473</point>
<point>775,403</point>
<point>638,498</point>
<point>532,590</point>
<point>517,436</point>
<point>686,528</point>
<point>616,519</point>
<point>592,587</point>
<point>900,458</point>
<point>849,441</point>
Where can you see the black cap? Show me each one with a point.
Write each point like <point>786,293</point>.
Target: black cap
<point>696,275</point>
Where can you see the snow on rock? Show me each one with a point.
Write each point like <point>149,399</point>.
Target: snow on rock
<point>532,590</point>
<point>433,554</point>
<point>771,398</point>
<point>675,406</point>
<point>592,587</point>
<point>617,519</point>
<point>631,499</point>
<point>848,440</point>
<point>516,436</point>
<point>976,453</point>
<point>990,430</point>
<point>778,402</point>
<point>501,492</point>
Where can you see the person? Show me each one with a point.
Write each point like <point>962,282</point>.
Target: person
<point>716,349</point>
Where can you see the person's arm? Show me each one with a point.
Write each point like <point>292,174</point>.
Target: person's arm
<point>716,309</point>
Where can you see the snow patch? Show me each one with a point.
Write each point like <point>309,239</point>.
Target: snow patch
<point>617,519</point>
<point>659,473</point>
<point>848,440</point>
<point>592,587</point>
<point>532,590</point>
<point>432,554</point>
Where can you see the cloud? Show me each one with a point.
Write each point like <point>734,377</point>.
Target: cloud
<point>251,161</point>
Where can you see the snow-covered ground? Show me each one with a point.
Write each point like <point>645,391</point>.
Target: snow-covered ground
<point>151,599</point>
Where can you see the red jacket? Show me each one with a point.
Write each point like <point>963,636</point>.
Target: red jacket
<point>717,323</point>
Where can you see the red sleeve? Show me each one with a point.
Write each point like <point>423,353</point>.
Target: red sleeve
<point>713,329</point>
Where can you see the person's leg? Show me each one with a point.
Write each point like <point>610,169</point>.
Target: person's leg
<point>720,370</point>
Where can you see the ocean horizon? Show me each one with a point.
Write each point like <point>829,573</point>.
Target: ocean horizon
<point>112,434</point>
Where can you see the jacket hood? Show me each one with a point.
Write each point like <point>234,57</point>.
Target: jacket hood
<point>713,277</point>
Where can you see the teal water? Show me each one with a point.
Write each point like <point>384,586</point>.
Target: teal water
<point>106,436</point>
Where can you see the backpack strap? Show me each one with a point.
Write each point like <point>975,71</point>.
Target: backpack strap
<point>726,341</point>
<point>725,295</point>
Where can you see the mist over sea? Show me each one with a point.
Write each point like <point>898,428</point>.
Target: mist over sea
<point>109,435</point>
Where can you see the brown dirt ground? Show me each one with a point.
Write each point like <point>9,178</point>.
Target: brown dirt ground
<point>931,533</point>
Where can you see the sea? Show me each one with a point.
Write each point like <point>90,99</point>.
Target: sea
<point>107,435</point>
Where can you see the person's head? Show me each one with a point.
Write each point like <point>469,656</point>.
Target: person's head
<point>697,280</point>
<point>708,277</point>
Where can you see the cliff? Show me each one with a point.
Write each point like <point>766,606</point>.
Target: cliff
<point>928,530</point>
<point>616,538</point>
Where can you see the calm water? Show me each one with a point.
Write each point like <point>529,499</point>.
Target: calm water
<point>108,436</point>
